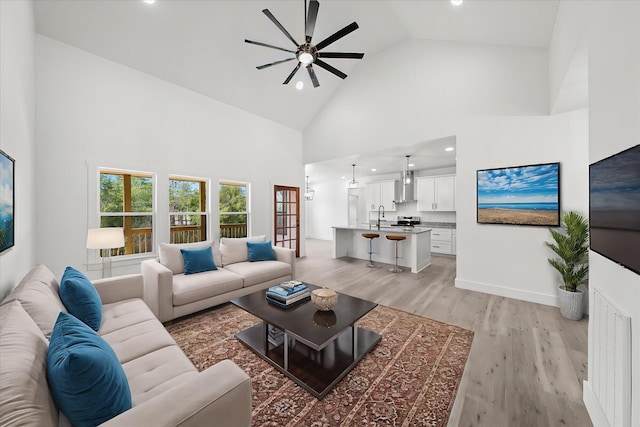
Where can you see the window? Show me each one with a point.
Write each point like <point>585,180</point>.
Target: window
<point>188,213</point>
<point>233,209</point>
<point>126,200</point>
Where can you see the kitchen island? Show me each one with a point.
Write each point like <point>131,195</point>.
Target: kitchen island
<point>414,252</point>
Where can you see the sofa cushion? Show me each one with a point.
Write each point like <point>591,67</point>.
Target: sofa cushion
<point>261,251</point>
<point>81,298</point>
<point>198,260</point>
<point>156,372</point>
<point>196,287</point>
<point>121,314</point>
<point>139,339</point>
<point>254,273</point>
<point>24,392</point>
<point>85,376</point>
<point>171,257</point>
<point>234,250</point>
<point>38,293</point>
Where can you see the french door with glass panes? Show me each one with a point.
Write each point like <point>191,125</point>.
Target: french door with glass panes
<point>287,217</point>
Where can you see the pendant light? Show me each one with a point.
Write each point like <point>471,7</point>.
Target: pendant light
<point>308,191</point>
<point>353,183</point>
<point>407,177</point>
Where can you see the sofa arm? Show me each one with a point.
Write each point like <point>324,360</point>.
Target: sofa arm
<point>119,288</point>
<point>158,288</point>
<point>286,255</point>
<point>219,395</point>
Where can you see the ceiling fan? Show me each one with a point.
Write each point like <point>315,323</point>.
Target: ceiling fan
<point>307,53</point>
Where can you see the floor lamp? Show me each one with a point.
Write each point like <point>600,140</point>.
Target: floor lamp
<point>105,239</point>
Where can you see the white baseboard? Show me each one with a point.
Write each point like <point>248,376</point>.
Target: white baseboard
<point>529,296</point>
<point>308,236</point>
<point>598,418</point>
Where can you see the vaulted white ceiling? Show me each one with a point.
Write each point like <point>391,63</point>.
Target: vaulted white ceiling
<point>199,45</point>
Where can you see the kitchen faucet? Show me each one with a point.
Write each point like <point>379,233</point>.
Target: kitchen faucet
<point>378,222</point>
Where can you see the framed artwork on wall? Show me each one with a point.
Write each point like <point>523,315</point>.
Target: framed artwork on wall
<point>7,199</point>
<point>522,195</point>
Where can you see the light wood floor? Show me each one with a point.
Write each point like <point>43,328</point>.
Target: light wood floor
<point>527,363</point>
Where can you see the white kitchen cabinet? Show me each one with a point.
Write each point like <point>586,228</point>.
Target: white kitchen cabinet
<point>441,241</point>
<point>381,193</point>
<point>436,193</point>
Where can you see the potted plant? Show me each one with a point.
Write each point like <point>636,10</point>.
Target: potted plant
<point>571,245</point>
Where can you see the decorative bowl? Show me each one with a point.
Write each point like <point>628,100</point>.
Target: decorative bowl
<point>324,299</point>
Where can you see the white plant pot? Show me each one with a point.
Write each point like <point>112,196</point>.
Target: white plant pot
<point>571,304</point>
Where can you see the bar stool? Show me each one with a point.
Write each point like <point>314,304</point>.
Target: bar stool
<point>396,238</point>
<point>370,236</point>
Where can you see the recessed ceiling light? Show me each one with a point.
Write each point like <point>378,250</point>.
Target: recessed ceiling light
<point>343,177</point>
<point>411,165</point>
<point>373,170</point>
<point>299,85</point>
<point>149,1</point>
<point>448,149</point>
<point>456,2</point>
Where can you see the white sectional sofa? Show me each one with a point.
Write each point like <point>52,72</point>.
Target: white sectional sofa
<point>170,293</point>
<point>166,389</point>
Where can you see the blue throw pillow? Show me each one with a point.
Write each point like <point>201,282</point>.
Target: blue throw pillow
<point>198,260</point>
<point>261,251</point>
<point>84,374</point>
<point>81,298</point>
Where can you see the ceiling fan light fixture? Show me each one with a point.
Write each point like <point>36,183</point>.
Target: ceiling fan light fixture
<point>308,53</point>
<point>306,58</point>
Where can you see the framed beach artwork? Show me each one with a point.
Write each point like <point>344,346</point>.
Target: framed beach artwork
<point>523,195</point>
<point>7,197</point>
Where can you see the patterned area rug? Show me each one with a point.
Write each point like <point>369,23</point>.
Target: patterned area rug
<point>409,379</point>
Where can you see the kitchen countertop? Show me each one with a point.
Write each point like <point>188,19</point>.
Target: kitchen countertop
<point>451,225</point>
<point>385,229</point>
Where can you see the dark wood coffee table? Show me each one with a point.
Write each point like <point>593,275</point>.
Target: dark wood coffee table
<point>319,348</point>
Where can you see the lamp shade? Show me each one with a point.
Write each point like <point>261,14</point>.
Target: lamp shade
<point>105,238</point>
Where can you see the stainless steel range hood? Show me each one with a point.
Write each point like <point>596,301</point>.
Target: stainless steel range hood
<point>406,187</point>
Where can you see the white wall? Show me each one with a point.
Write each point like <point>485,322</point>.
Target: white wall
<point>614,125</point>
<point>95,113</point>
<point>17,133</point>
<point>512,260</point>
<point>398,98</point>
<point>568,70</point>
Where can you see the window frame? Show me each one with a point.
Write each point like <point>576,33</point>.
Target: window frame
<point>94,261</point>
<point>206,205</point>
<point>248,204</point>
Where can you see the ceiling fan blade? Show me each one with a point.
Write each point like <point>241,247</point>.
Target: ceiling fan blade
<point>279,25</point>
<point>330,68</point>
<point>290,76</point>
<point>260,67</point>
<point>312,74</point>
<point>337,35</point>
<point>346,55</point>
<point>268,45</point>
<point>311,19</point>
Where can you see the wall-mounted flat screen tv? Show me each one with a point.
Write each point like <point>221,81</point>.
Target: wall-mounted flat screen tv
<point>522,195</point>
<point>7,176</point>
<point>614,208</point>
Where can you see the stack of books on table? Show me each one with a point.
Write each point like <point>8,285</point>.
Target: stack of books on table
<point>287,294</point>
<point>276,336</point>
